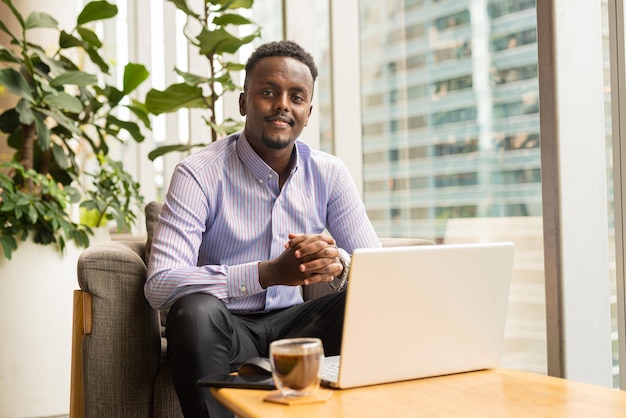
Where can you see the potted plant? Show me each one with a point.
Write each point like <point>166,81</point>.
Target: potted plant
<point>62,117</point>
<point>208,33</point>
<point>60,128</point>
<point>112,195</point>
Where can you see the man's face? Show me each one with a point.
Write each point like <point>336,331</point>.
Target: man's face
<point>276,101</point>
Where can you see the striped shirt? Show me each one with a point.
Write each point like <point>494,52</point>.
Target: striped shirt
<point>224,213</point>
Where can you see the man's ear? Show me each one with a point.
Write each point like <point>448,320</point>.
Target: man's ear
<point>242,104</point>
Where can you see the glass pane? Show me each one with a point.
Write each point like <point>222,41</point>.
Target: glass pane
<point>268,15</point>
<point>324,80</point>
<point>265,14</point>
<point>451,138</point>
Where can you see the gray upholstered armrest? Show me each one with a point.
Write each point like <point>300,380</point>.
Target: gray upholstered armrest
<point>125,338</point>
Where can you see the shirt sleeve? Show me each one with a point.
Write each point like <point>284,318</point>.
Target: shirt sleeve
<point>347,219</point>
<point>172,269</point>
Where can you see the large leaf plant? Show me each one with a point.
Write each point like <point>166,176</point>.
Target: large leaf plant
<point>209,32</point>
<point>63,114</point>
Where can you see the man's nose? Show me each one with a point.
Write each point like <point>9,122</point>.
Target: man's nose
<point>282,102</point>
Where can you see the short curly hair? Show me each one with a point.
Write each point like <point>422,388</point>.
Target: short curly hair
<point>281,49</point>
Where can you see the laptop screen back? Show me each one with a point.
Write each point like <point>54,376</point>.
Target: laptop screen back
<point>421,311</point>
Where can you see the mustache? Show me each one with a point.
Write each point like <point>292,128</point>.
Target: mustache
<point>281,118</point>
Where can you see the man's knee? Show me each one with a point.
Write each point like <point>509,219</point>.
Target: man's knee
<point>194,306</point>
<point>197,312</point>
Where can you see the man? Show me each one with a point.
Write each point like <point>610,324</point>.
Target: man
<point>243,226</point>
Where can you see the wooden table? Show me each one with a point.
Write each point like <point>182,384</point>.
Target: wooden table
<point>488,393</point>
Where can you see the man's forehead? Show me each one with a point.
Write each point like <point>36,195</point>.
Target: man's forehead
<point>280,65</point>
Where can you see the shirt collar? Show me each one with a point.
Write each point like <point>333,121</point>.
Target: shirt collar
<point>256,165</point>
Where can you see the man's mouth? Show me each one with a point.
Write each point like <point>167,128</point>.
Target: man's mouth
<point>281,119</point>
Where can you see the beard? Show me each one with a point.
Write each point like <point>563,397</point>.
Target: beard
<point>274,143</point>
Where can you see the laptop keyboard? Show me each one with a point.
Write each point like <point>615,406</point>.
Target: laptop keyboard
<point>330,371</point>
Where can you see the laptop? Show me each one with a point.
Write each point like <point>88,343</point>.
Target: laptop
<point>422,311</point>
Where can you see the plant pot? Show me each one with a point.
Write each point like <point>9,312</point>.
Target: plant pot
<point>36,288</point>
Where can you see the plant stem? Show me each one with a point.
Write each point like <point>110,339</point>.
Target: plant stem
<point>211,58</point>
<point>27,151</point>
<point>213,95</point>
<point>27,146</point>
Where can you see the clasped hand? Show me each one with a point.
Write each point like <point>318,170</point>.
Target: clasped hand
<point>307,259</point>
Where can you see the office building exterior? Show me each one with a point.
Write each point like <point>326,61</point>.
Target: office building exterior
<point>450,112</point>
<point>451,143</point>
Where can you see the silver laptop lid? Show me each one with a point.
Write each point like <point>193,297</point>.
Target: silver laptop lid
<point>421,311</point>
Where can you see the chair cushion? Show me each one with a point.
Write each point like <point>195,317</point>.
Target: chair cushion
<point>152,217</point>
<point>153,209</point>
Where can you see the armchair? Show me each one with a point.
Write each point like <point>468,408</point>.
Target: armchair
<point>119,366</point>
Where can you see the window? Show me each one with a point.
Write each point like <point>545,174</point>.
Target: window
<point>472,165</point>
<point>446,143</point>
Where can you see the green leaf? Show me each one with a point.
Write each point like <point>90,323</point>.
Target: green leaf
<point>220,41</point>
<point>192,79</point>
<point>249,38</point>
<point>7,207</point>
<point>166,149</point>
<point>9,244</point>
<point>6,55</point>
<point>27,116</point>
<point>15,82</point>
<point>134,75</point>
<point>90,216</point>
<point>234,4</point>
<point>63,101</point>
<point>227,127</point>
<point>49,65</point>
<point>15,137</point>
<point>43,133</point>
<point>97,59</point>
<point>76,78</point>
<point>140,111</point>
<point>217,41</point>
<point>9,121</point>
<point>59,155</point>
<point>182,5</point>
<point>231,19</point>
<point>81,238</point>
<point>40,20</point>
<point>90,37</point>
<point>176,96</point>
<point>32,214</point>
<point>227,82</point>
<point>96,10</point>
<point>68,41</point>
<point>63,120</point>
<point>130,127</point>
<point>234,66</point>
<point>113,95</point>
<point>47,88</point>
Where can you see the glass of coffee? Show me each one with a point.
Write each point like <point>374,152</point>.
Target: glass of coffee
<point>296,365</point>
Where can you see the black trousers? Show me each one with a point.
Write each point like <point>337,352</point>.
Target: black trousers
<point>204,337</point>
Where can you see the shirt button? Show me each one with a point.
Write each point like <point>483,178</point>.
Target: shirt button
<point>243,288</point>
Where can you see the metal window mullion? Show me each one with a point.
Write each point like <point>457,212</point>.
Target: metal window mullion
<point>618,120</point>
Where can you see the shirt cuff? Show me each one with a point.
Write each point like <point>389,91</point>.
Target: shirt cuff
<point>243,280</point>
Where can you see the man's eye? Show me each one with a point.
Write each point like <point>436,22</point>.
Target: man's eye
<point>266,93</point>
<point>297,99</point>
